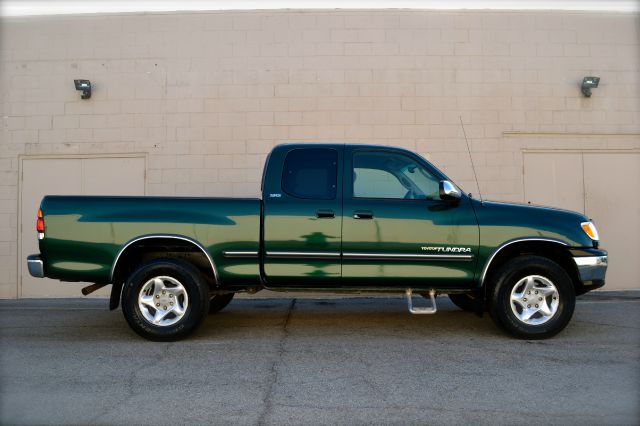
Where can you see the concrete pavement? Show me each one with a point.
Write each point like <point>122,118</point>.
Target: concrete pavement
<point>357,360</point>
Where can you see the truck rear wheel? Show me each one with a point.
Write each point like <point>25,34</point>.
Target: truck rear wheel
<point>533,298</point>
<point>165,299</point>
<point>219,302</point>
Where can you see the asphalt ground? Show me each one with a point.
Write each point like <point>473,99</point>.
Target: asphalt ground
<point>299,360</point>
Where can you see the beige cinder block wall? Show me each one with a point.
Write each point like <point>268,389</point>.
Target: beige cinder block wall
<point>207,95</point>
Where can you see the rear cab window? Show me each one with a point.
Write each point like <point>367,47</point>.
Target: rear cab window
<point>311,173</point>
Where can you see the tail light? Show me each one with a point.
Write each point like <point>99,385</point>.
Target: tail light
<point>40,225</point>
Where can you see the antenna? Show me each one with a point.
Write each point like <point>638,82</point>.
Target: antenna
<point>473,167</point>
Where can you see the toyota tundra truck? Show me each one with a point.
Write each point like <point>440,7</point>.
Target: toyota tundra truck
<point>332,217</point>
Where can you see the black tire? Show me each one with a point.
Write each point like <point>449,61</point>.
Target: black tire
<point>464,301</point>
<point>196,308</point>
<point>219,302</point>
<point>508,278</point>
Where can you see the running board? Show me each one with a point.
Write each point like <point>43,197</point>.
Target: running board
<point>422,311</point>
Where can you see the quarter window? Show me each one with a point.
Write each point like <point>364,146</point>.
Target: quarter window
<point>311,173</point>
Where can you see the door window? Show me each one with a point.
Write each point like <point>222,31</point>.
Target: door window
<point>311,174</point>
<point>391,175</point>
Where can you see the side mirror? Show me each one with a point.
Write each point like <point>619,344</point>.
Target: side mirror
<point>448,191</point>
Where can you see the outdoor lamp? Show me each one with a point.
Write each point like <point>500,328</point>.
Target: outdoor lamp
<point>85,86</point>
<point>589,83</point>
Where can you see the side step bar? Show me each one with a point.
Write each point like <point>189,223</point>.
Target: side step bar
<point>422,311</point>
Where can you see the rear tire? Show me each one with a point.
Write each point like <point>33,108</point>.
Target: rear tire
<point>165,299</point>
<point>532,298</point>
<point>219,302</point>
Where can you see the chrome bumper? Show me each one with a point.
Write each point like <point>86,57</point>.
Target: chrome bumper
<point>35,265</point>
<point>591,268</point>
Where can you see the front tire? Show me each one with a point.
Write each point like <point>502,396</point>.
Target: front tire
<point>165,299</point>
<point>532,298</point>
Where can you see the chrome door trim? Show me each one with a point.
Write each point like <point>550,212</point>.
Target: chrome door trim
<point>402,256</point>
<point>303,254</point>
<point>240,254</point>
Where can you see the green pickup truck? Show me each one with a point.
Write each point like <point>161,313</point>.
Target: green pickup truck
<point>332,217</point>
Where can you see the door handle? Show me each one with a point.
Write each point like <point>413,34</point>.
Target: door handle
<point>363,214</point>
<point>325,214</point>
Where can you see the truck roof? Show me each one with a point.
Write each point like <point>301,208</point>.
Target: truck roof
<point>290,145</point>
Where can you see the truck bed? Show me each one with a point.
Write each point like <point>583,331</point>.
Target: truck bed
<point>84,235</point>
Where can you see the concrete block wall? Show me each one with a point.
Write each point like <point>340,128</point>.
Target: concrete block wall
<point>207,95</point>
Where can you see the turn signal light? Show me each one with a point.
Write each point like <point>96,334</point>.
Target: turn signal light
<point>40,222</point>
<point>590,229</point>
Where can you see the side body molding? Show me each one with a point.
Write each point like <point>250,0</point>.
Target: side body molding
<point>508,243</point>
<point>164,236</point>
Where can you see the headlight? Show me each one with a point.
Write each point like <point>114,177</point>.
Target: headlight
<point>590,229</point>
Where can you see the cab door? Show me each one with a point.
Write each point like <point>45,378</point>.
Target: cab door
<point>396,229</point>
<point>303,217</point>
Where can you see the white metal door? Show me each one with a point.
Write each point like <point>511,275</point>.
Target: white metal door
<point>603,186</point>
<point>554,179</point>
<point>613,201</point>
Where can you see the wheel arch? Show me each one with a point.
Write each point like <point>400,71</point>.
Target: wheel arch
<point>552,249</point>
<point>150,246</point>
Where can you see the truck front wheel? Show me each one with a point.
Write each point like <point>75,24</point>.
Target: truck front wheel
<point>165,299</point>
<point>532,297</point>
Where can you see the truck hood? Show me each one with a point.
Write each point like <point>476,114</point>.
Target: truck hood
<point>517,220</point>
<point>533,207</point>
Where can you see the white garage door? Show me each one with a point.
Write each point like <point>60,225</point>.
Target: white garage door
<point>603,186</point>
<point>68,176</point>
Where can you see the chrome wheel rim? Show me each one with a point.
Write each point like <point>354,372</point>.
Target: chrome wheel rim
<point>534,300</point>
<point>163,301</point>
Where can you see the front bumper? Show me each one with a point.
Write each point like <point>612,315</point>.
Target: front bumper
<point>592,267</point>
<point>35,266</point>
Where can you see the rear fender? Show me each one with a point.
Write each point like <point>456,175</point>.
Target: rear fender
<point>117,281</point>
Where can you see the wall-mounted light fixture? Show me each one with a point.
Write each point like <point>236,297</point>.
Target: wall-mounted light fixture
<point>589,83</point>
<point>85,86</point>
